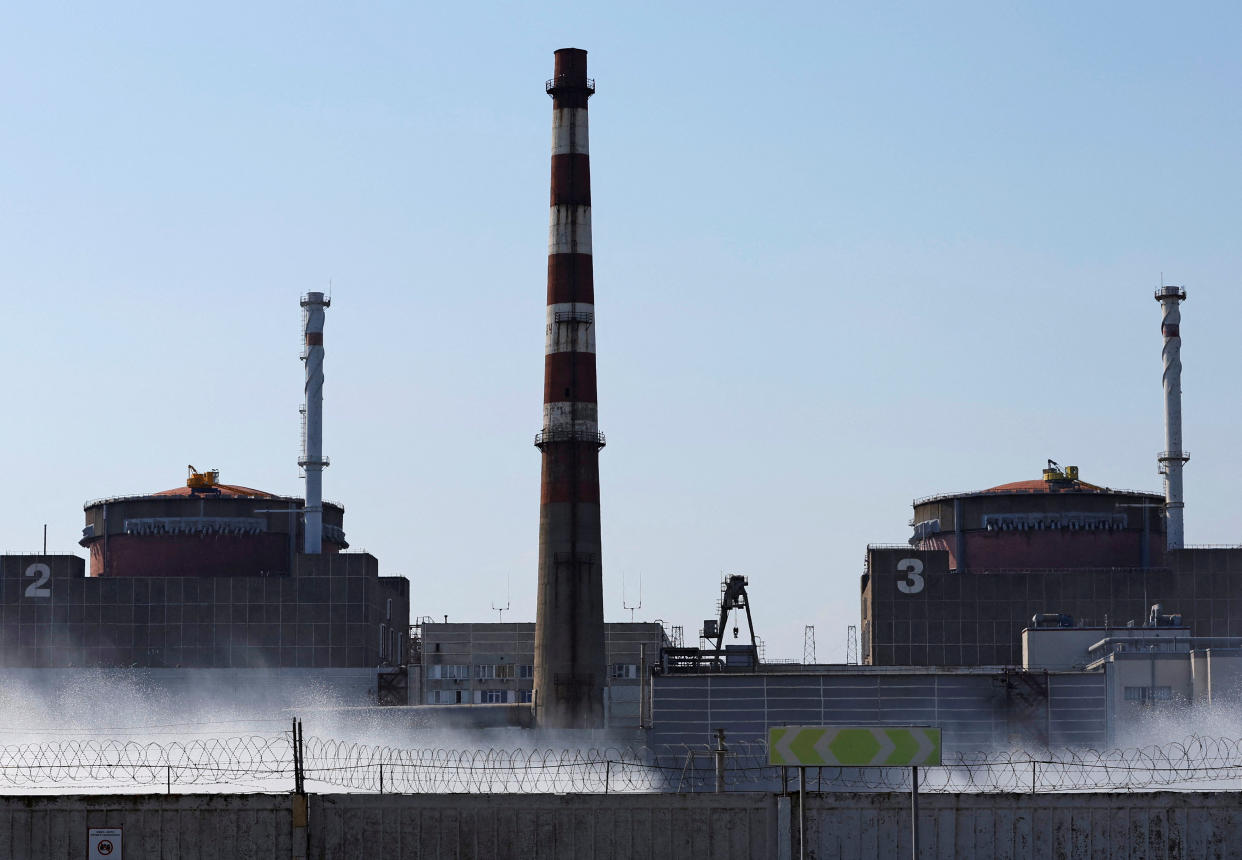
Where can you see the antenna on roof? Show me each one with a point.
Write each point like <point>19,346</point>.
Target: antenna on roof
<point>501,609</point>
<point>625,605</point>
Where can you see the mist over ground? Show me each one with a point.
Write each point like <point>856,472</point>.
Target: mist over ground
<point>136,731</point>
<point>221,730</point>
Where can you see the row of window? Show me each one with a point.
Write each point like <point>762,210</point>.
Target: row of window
<point>482,671</point>
<point>505,671</point>
<point>1149,694</point>
<point>479,697</point>
<point>488,671</point>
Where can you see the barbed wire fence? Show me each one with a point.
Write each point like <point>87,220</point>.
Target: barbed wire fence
<point>1196,762</point>
<point>266,763</point>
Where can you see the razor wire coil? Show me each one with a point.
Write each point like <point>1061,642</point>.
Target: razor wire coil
<point>347,766</point>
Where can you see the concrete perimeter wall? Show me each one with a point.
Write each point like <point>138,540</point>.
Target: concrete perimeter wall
<point>182,826</point>
<point>1166,825</point>
<point>574,827</point>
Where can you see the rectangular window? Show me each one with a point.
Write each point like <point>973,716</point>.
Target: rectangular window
<point>525,697</point>
<point>484,671</point>
<point>505,670</point>
<point>623,670</point>
<point>1149,694</point>
<point>493,697</point>
<point>526,671</point>
<point>453,673</point>
<point>433,672</point>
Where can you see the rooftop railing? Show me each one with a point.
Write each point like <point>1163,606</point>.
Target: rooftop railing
<point>1101,491</point>
<point>569,435</point>
<point>1173,455</point>
<point>564,82</point>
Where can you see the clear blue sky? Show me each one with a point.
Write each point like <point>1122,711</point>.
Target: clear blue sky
<point>845,255</point>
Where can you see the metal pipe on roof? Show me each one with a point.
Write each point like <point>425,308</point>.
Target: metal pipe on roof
<point>313,461</point>
<point>1173,458</point>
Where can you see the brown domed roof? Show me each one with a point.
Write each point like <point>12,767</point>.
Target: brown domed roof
<point>1040,486</point>
<point>1056,481</point>
<point>227,491</point>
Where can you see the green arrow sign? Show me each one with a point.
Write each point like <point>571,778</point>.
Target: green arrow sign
<point>854,746</point>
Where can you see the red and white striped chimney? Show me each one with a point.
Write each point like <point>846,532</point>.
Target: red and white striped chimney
<point>569,620</point>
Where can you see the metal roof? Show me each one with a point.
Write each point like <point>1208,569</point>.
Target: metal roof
<point>1040,487</point>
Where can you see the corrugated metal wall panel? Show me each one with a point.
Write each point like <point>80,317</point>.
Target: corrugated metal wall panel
<point>1078,709</point>
<point>970,708</point>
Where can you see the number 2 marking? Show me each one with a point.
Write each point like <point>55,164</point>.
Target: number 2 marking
<point>913,569</point>
<point>39,588</point>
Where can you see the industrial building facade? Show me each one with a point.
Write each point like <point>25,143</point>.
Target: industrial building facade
<point>1160,665</point>
<point>916,611</point>
<point>978,709</point>
<point>979,566</point>
<point>493,663</point>
<point>334,611</point>
<point>205,576</point>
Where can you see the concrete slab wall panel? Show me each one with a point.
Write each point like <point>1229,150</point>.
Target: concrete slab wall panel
<point>185,826</point>
<point>1167,825</point>
<point>1164,825</point>
<point>722,827</point>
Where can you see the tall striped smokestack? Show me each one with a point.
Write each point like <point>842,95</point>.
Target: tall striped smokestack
<point>1173,457</point>
<point>313,460</point>
<point>569,620</point>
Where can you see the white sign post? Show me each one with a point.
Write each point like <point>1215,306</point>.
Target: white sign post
<point>103,843</point>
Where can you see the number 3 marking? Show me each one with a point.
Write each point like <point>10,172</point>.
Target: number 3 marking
<point>913,569</point>
<point>39,588</point>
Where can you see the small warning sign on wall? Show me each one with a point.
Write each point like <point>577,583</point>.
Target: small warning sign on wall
<point>103,843</point>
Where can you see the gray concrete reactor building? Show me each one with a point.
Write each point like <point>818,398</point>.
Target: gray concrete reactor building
<point>332,611</point>
<point>917,611</point>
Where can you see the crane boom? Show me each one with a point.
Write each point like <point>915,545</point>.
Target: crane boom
<point>734,596</point>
